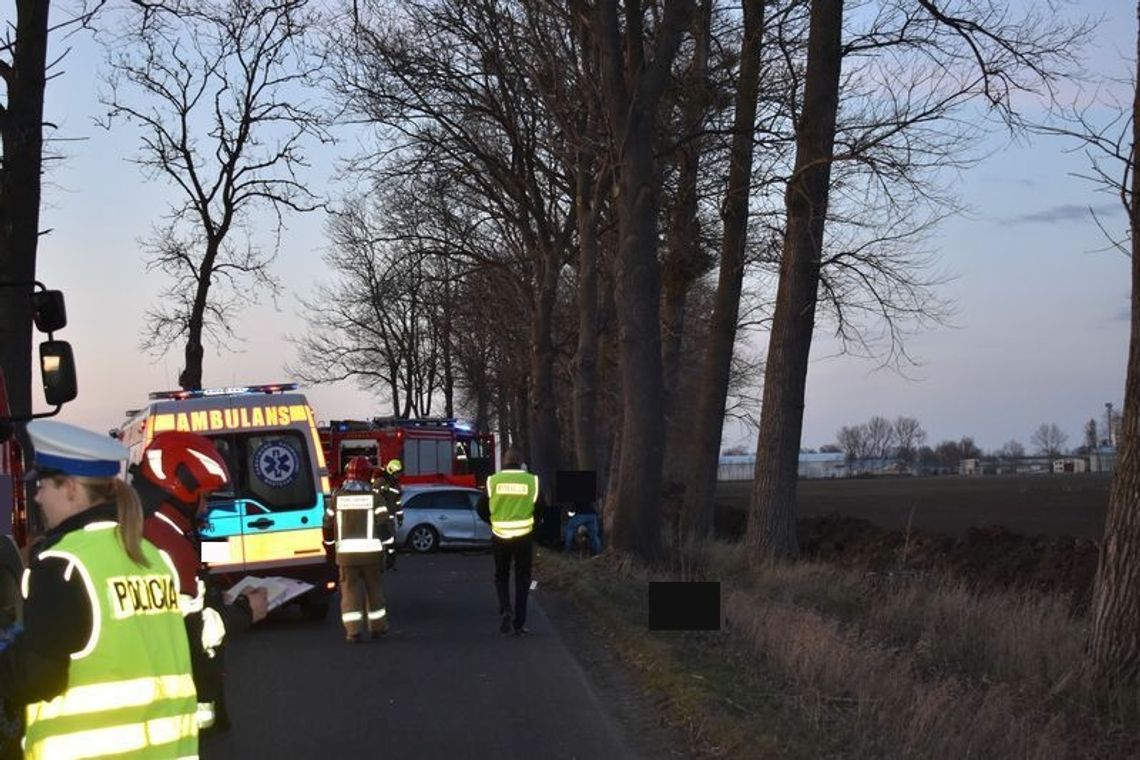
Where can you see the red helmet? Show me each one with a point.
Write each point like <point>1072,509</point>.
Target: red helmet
<point>185,465</point>
<point>358,469</point>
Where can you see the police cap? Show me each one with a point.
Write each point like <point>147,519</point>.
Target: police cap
<point>62,449</point>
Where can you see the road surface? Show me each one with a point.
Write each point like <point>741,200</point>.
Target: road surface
<point>442,684</point>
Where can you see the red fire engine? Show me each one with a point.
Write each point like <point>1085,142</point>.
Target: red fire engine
<point>434,450</point>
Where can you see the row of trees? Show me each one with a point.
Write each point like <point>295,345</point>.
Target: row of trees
<point>903,439</point>
<point>562,202</point>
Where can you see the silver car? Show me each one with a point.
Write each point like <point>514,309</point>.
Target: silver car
<point>438,516</point>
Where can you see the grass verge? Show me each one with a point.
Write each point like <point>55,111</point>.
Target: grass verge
<point>816,661</point>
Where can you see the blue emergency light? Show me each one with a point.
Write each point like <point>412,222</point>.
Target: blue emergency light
<point>237,390</point>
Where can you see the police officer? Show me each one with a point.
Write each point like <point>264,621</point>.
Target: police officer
<point>386,483</point>
<point>354,522</point>
<point>103,663</point>
<point>509,505</point>
<point>176,473</point>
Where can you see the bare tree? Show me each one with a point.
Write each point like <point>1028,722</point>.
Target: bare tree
<point>853,441</point>
<point>1049,439</point>
<point>636,61</point>
<point>24,71</point>
<point>376,324</point>
<point>909,436</point>
<point>880,437</point>
<point>697,515</point>
<point>1012,450</point>
<point>218,91</point>
<point>1114,650</point>
<point>1091,439</point>
<point>993,57</point>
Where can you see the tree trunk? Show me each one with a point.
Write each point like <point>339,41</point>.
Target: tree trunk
<point>586,357</point>
<point>21,132</point>
<point>1114,645</point>
<point>633,89</point>
<point>544,435</point>
<point>697,511</point>
<point>772,513</point>
<point>684,260</point>
<point>191,376</point>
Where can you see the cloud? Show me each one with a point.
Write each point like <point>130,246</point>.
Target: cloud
<point>1065,212</point>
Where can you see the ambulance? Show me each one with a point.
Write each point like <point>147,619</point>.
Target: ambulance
<point>269,522</point>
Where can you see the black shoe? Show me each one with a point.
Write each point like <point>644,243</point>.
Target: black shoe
<point>505,624</point>
<point>524,631</point>
<point>353,638</point>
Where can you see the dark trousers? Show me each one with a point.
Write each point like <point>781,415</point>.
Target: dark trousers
<point>521,552</point>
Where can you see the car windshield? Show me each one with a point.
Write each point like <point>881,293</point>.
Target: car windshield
<point>269,467</point>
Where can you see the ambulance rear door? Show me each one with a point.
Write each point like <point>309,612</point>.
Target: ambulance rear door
<point>271,519</point>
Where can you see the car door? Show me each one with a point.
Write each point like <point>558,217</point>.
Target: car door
<point>454,511</point>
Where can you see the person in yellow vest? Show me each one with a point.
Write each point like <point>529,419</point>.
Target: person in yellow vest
<point>510,505</point>
<point>103,663</point>
<point>356,522</point>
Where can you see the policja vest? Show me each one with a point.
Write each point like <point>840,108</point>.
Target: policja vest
<point>129,692</point>
<point>512,494</point>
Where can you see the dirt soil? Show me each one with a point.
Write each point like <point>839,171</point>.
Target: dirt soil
<point>1035,532</point>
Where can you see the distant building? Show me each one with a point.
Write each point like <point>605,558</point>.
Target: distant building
<point>1070,464</point>
<point>743,466</point>
<point>826,465</point>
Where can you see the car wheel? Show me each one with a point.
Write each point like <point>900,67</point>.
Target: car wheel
<point>423,539</point>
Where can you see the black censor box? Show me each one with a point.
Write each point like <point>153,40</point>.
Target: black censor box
<point>684,606</point>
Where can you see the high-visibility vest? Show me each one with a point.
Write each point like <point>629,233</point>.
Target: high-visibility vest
<point>356,515</point>
<point>130,692</point>
<point>512,494</point>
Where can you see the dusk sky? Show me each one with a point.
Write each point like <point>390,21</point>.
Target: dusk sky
<point>1040,333</point>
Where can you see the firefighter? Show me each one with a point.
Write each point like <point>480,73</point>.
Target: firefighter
<point>386,482</point>
<point>176,473</point>
<point>510,505</point>
<point>102,663</point>
<point>354,523</point>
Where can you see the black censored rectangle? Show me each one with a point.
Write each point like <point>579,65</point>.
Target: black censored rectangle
<point>684,606</point>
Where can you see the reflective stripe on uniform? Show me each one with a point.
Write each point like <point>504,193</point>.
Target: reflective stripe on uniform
<point>377,614</point>
<point>351,617</point>
<point>81,700</point>
<point>512,528</point>
<point>116,740</point>
<point>359,545</point>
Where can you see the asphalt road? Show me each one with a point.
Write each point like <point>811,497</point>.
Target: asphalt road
<point>442,684</point>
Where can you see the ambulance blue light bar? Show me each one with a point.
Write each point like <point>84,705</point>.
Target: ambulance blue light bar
<point>235,390</point>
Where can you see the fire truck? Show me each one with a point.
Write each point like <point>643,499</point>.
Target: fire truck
<point>432,450</point>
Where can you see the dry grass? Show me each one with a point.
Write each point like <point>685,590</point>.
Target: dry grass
<point>861,666</point>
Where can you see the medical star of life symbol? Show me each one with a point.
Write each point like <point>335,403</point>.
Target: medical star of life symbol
<point>276,464</point>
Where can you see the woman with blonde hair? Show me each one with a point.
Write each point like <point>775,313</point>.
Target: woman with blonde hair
<point>103,663</point>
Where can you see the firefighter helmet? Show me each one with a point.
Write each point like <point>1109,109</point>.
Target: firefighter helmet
<point>394,466</point>
<point>358,469</point>
<point>185,465</point>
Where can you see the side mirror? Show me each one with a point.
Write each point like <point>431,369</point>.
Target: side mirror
<point>57,368</point>
<point>48,310</point>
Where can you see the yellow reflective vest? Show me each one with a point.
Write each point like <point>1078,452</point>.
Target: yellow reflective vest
<point>130,692</point>
<point>512,494</point>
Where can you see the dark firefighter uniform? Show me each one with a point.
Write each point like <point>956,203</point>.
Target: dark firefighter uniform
<point>207,618</point>
<point>509,506</point>
<point>386,484</point>
<point>102,663</point>
<point>355,522</point>
<point>176,473</point>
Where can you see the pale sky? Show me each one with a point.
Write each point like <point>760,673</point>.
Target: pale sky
<point>1040,334</point>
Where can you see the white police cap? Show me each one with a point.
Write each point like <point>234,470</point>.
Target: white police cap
<point>71,450</point>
